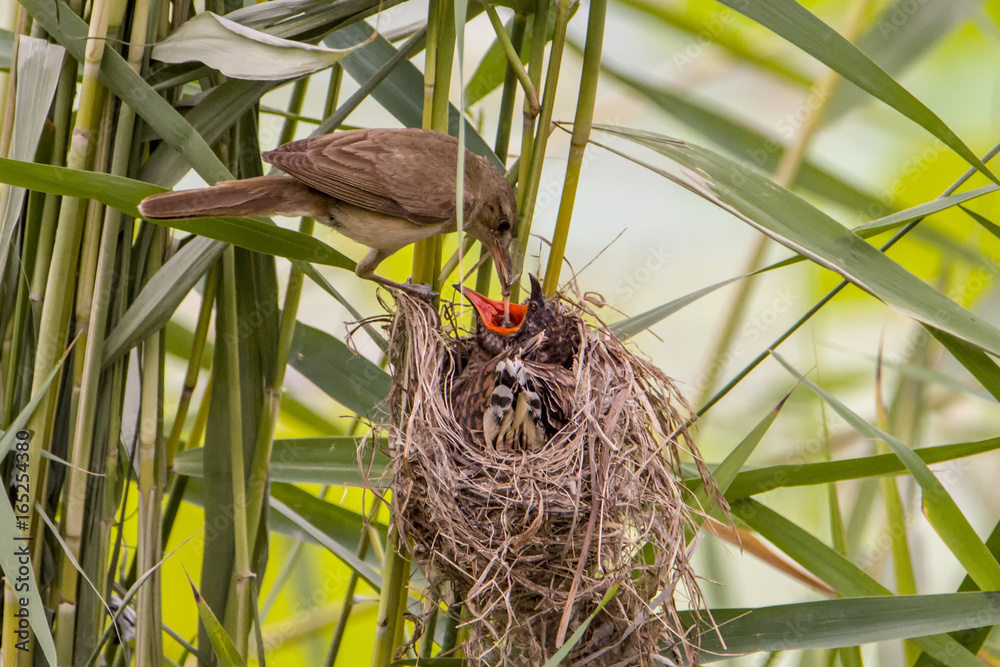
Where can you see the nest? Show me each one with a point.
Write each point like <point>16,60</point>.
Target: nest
<point>531,542</point>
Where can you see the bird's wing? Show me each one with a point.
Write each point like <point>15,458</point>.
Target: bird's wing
<point>403,173</point>
<point>471,392</point>
<point>555,386</point>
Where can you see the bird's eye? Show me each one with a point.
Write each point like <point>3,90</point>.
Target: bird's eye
<point>534,305</point>
<point>504,226</point>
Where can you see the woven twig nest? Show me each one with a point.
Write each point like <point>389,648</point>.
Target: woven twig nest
<point>530,542</point>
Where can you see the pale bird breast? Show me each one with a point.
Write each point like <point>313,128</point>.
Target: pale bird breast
<point>381,231</point>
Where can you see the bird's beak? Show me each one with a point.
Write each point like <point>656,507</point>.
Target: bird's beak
<point>491,312</point>
<point>505,265</point>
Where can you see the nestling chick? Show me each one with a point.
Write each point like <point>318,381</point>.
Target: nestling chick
<point>515,387</point>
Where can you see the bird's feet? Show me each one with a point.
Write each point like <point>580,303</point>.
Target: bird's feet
<point>420,290</point>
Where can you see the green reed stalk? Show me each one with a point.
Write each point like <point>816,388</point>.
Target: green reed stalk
<point>513,59</point>
<point>542,131</point>
<point>200,338</point>
<point>509,94</point>
<point>502,146</point>
<point>55,314</point>
<point>347,605</point>
<point>150,458</point>
<point>54,317</point>
<point>539,28</point>
<point>392,597</point>
<point>83,406</point>
<point>228,336</point>
<point>581,135</point>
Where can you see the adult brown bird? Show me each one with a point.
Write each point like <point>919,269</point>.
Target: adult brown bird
<point>385,188</point>
<point>513,384</point>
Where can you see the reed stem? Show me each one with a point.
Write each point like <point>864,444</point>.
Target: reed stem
<point>581,135</point>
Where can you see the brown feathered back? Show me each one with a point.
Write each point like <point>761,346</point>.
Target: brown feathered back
<point>408,173</point>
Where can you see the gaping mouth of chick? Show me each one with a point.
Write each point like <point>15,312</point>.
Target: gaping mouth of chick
<point>492,315</point>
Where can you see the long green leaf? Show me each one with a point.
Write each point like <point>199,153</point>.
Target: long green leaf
<point>371,577</point>
<point>331,460</point>
<point>631,326</point>
<point>977,362</point>
<point>348,378</point>
<point>900,218</point>
<point>897,38</point>
<point>983,221</point>
<point>833,568</point>
<point>117,192</point>
<point>224,648</point>
<point>747,144</point>
<point>798,225</point>
<point>939,507</point>
<point>845,622</point>
<point>160,296</point>
<point>796,24</point>
<point>761,480</point>
<point>728,470</point>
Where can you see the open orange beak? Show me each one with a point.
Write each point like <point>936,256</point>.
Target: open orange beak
<point>491,313</point>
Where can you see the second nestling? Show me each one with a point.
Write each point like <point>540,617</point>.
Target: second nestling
<point>515,383</point>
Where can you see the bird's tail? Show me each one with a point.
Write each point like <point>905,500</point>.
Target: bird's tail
<point>260,196</point>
